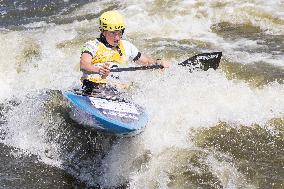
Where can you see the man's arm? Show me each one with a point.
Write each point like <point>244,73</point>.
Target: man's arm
<point>146,61</point>
<point>86,65</point>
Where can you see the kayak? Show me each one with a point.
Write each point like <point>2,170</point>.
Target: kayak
<point>111,115</point>
<point>121,117</point>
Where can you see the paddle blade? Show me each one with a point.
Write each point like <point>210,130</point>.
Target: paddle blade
<point>203,61</point>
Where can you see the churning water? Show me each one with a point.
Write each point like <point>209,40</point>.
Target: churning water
<point>214,129</point>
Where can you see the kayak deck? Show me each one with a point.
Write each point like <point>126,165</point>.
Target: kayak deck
<point>108,115</point>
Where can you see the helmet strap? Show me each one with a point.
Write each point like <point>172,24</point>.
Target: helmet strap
<point>102,39</point>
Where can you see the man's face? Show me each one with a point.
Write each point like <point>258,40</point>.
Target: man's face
<point>113,37</point>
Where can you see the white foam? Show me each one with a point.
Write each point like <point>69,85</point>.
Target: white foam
<point>28,130</point>
<point>176,101</point>
<point>179,101</point>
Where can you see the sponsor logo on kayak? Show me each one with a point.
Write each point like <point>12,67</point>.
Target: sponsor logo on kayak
<point>121,107</point>
<point>120,114</point>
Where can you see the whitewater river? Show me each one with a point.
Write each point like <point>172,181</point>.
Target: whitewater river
<point>214,129</point>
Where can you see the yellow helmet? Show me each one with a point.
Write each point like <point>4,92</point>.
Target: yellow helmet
<point>111,21</point>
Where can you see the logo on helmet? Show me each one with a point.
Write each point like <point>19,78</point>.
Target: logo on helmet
<point>112,21</point>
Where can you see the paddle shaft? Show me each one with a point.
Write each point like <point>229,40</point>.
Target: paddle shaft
<point>155,66</point>
<point>207,60</point>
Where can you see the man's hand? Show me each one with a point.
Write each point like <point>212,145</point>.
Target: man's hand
<point>104,70</point>
<point>164,63</point>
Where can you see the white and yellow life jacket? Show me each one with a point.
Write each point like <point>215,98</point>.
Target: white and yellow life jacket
<point>102,54</point>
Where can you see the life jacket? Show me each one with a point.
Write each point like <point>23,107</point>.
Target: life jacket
<point>105,53</point>
<point>115,55</point>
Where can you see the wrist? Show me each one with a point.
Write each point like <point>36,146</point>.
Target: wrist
<point>97,70</point>
<point>158,61</point>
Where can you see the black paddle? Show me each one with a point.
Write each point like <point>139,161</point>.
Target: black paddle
<point>202,61</point>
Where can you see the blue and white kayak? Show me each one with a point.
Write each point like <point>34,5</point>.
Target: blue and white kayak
<point>111,116</point>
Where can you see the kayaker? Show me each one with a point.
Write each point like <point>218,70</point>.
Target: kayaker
<point>97,56</point>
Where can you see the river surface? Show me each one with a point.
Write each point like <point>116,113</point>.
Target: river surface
<point>213,129</point>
